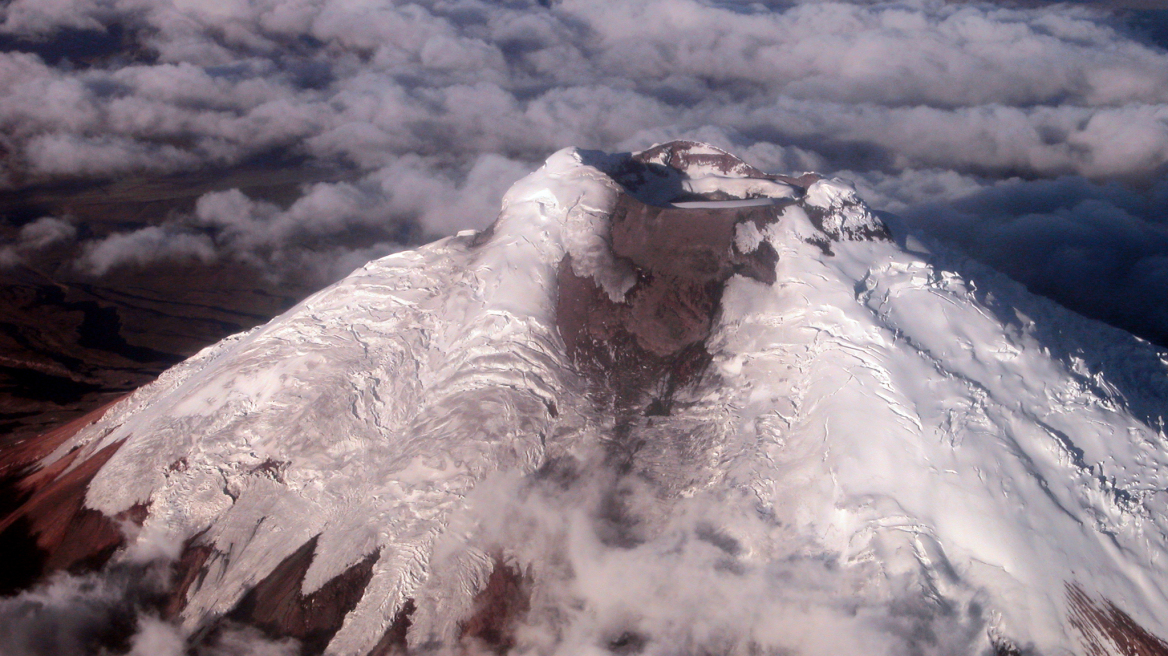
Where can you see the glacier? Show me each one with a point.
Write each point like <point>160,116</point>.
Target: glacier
<point>835,438</point>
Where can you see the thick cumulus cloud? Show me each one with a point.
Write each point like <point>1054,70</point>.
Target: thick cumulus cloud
<point>426,111</point>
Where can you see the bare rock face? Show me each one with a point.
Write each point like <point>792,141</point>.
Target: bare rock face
<point>278,607</point>
<point>682,258</point>
<point>677,226</point>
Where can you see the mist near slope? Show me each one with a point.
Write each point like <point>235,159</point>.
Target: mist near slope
<point>968,118</point>
<point>118,610</point>
<point>686,587</point>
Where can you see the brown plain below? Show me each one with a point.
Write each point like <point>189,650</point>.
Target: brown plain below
<point>71,341</point>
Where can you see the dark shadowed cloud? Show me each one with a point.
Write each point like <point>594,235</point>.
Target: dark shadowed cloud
<point>1034,137</point>
<point>1098,247</point>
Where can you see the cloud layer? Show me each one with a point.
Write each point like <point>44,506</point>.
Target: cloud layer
<point>430,109</point>
<point>114,611</point>
<point>1098,248</point>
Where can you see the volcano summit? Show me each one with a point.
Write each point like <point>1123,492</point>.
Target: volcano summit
<point>665,404</point>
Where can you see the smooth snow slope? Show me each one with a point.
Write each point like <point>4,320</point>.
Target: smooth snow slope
<point>881,458</point>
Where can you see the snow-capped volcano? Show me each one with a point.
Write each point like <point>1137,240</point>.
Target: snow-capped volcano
<point>666,404</point>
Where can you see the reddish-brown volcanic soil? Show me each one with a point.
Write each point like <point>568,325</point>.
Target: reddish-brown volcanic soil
<point>498,607</point>
<point>1107,630</point>
<point>278,608</point>
<point>45,527</point>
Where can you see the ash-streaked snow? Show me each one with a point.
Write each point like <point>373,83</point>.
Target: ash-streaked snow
<point>893,451</point>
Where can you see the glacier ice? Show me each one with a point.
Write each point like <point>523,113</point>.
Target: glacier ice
<point>890,449</point>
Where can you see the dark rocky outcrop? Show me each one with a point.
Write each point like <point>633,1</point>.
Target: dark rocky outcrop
<point>393,641</point>
<point>637,352</point>
<point>277,606</point>
<point>188,571</point>
<point>498,608</point>
<point>1106,630</point>
<point>683,258</point>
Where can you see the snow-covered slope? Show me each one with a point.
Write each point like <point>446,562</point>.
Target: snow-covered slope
<point>636,416</point>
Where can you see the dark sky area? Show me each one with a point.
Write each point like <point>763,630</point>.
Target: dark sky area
<point>174,171</point>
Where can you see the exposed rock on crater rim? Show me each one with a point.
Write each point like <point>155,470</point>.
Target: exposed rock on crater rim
<point>687,219</point>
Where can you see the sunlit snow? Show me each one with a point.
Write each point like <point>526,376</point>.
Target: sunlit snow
<point>884,456</point>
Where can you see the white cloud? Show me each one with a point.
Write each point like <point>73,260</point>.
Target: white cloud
<point>157,638</point>
<point>145,246</point>
<point>70,615</point>
<point>432,107</point>
<point>8,257</point>
<point>929,83</point>
<point>35,236</point>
